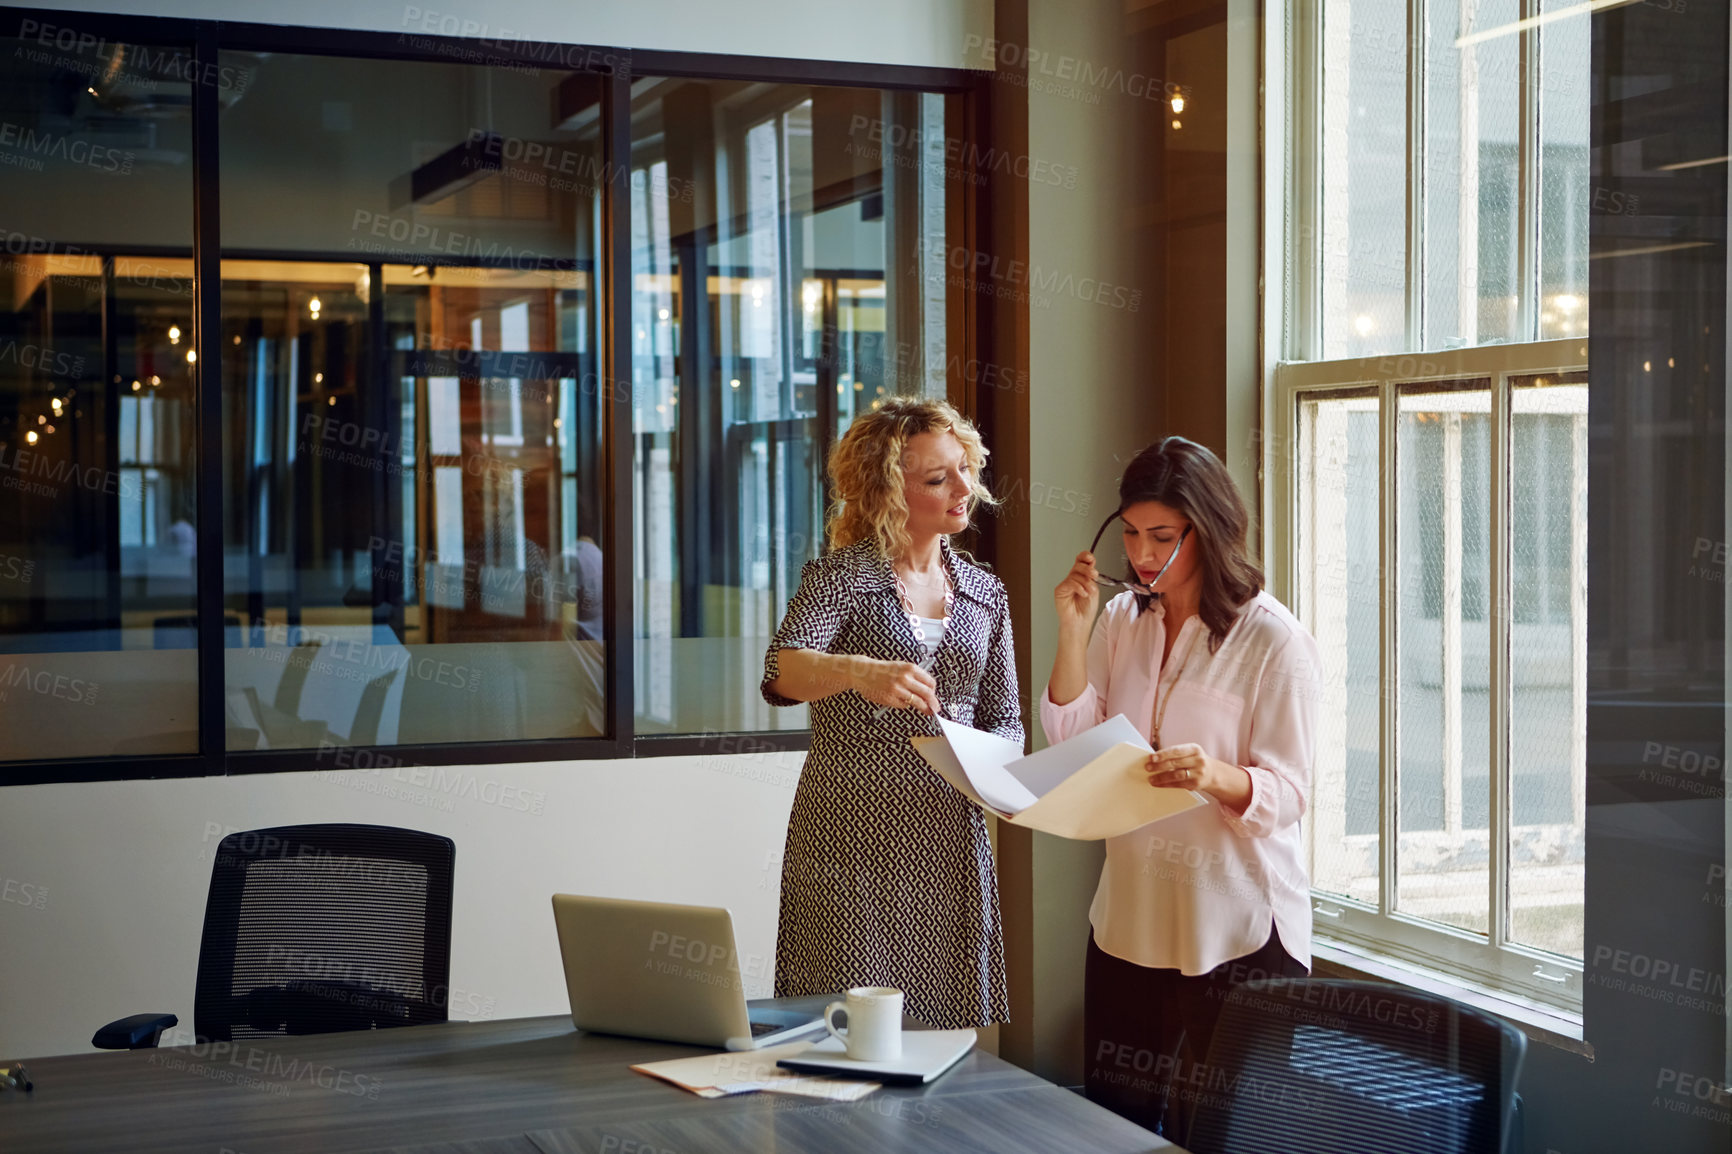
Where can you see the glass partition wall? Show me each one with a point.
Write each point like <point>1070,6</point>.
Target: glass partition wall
<point>413,459</point>
<point>97,402</point>
<point>488,396</point>
<point>778,290</point>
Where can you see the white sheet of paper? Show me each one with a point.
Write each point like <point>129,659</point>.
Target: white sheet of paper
<point>717,1075</point>
<point>1041,771</point>
<point>1090,787</point>
<point>936,751</point>
<point>983,757</point>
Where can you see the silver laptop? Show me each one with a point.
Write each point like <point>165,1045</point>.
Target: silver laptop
<point>668,972</point>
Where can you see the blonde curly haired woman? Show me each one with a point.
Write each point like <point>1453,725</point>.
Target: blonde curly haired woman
<point>887,878</point>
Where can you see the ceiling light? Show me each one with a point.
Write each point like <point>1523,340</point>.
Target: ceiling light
<point>1178,104</point>
<point>174,334</point>
<point>30,437</point>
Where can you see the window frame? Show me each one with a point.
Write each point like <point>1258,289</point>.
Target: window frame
<point>1292,254</point>
<point>965,90</point>
<point>1491,962</point>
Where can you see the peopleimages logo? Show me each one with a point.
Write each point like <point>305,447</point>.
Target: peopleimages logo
<point>42,359</point>
<point>37,146</point>
<point>73,690</point>
<point>142,63</point>
<point>32,463</point>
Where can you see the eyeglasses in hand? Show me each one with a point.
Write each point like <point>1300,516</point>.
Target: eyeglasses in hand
<point>1125,583</point>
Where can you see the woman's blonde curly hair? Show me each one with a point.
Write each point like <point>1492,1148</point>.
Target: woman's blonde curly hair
<point>866,475</point>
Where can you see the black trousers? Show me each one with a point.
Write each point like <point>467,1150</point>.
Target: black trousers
<point>1146,1031</point>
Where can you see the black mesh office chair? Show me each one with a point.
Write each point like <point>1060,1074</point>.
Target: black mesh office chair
<point>312,929</point>
<point>1310,1066</point>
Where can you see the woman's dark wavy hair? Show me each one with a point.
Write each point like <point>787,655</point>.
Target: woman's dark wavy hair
<point>1185,476</point>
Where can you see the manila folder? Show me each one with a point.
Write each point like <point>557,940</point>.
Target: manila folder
<point>1090,787</point>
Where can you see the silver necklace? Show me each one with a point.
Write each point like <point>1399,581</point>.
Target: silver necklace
<point>914,621</point>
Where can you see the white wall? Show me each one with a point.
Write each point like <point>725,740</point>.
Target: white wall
<point>102,886</point>
<point>934,33</point>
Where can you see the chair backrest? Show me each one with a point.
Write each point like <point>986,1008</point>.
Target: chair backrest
<point>1312,1066</point>
<point>311,929</point>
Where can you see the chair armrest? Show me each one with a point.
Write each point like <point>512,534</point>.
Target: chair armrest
<point>139,1032</point>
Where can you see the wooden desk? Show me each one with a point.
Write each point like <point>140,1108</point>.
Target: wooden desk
<point>527,1086</point>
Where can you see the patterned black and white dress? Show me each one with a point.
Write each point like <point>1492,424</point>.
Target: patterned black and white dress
<point>888,877</point>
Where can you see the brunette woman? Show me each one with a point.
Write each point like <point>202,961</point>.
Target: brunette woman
<point>1221,679</point>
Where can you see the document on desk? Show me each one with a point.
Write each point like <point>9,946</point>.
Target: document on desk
<point>718,1075</point>
<point>1089,787</point>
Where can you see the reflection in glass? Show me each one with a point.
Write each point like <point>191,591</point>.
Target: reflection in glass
<point>1549,668</point>
<point>411,405</point>
<point>1564,189</point>
<point>98,523</point>
<point>787,273</point>
<point>1364,169</point>
<point>1445,616</point>
<point>1472,176</point>
<point>1338,597</point>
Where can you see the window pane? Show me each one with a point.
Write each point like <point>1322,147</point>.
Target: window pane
<point>1364,179</point>
<point>1443,492</point>
<point>1549,670</point>
<point>1472,155</point>
<point>413,423</point>
<point>1564,187</point>
<point>98,525</point>
<point>1338,600</point>
<point>787,271</point>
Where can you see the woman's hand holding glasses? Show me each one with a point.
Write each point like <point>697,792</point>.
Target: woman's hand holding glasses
<point>1078,596</point>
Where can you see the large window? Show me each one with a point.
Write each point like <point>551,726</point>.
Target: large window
<point>1426,458</point>
<point>375,392</point>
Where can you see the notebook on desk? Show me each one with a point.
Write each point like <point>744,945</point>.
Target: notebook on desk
<point>926,1055</point>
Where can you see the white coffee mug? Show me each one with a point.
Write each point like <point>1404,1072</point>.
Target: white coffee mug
<point>874,1032</point>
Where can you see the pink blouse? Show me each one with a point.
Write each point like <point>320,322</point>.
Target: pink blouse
<point>1201,888</point>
